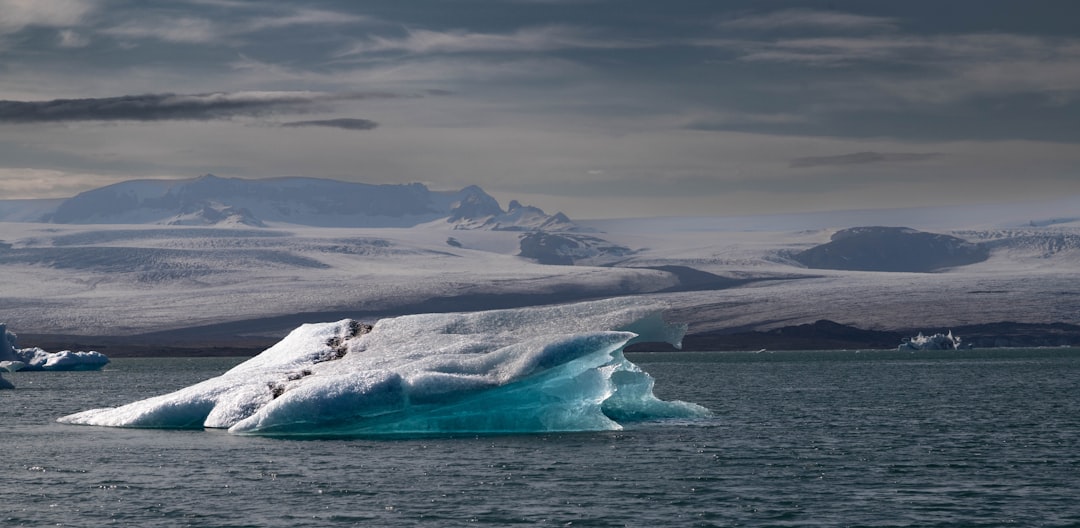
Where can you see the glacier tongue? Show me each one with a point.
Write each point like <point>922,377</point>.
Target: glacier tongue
<point>557,368</point>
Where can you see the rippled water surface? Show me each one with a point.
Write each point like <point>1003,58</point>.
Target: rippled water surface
<point>984,437</point>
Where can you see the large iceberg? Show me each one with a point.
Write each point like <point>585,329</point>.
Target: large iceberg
<point>557,368</point>
<point>13,358</point>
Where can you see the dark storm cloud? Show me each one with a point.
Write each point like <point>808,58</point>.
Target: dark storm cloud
<point>173,107</point>
<point>862,158</point>
<point>345,123</point>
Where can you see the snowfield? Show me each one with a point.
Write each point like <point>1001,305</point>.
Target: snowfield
<point>715,273</point>
<point>117,281</point>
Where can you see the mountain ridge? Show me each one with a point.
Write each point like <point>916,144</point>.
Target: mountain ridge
<point>211,200</point>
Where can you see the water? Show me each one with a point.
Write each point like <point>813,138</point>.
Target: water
<point>984,437</point>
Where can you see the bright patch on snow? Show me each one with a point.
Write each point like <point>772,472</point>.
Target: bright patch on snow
<point>529,370</point>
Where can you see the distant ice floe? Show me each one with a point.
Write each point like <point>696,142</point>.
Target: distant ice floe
<point>13,358</point>
<point>543,369</point>
<point>934,342</point>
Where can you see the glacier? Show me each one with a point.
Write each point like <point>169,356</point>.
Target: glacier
<point>530,370</point>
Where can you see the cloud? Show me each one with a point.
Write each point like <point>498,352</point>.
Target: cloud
<point>18,14</point>
<point>24,183</point>
<point>169,107</point>
<point>345,123</point>
<point>67,38</point>
<point>905,49</point>
<point>934,69</point>
<point>190,30</point>
<point>229,4</point>
<point>809,19</point>
<point>729,119</point>
<point>862,158</point>
<point>201,30</point>
<point>418,71</point>
<point>532,39</point>
<point>304,17</point>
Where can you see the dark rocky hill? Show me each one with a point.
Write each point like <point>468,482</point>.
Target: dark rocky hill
<point>896,249</point>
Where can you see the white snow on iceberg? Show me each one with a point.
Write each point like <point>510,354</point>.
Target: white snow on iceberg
<point>557,368</point>
<point>13,358</point>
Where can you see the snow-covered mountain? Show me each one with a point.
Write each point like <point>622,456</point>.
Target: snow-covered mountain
<point>27,210</point>
<point>211,200</point>
<point>517,217</point>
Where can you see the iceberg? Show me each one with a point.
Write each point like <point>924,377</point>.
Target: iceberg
<point>38,359</point>
<point>11,366</point>
<point>933,342</point>
<point>13,358</point>
<point>529,370</point>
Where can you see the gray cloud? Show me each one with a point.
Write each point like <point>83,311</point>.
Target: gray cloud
<point>67,38</point>
<point>345,123</point>
<point>203,30</point>
<point>48,13</point>
<point>909,49</point>
<point>191,30</point>
<point>685,106</point>
<point>173,107</point>
<point>524,40</point>
<point>862,158</point>
<point>809,19</point>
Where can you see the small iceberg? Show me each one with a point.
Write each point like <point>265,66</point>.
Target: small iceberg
<point>11,366</point>
<point>38,359</point>
<point>530,370</point>
<point>13,358</point>
<point>934,342</point>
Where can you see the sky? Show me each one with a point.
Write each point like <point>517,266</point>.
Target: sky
<point>597,108</point>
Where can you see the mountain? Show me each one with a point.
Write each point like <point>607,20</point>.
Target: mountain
<point>234,202</point>
<point>211,200</point>
<point>27,210</point>
<point>216,214</point>
<point>896,249</point>
<point>519,217</point>
<point>567,249</point>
